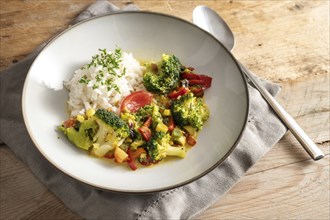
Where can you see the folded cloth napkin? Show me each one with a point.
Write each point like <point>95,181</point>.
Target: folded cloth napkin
<point>263,130</point>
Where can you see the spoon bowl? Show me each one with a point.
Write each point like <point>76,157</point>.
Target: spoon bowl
<point>210,21</point>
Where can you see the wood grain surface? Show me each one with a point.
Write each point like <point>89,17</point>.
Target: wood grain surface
<point>286,42</point>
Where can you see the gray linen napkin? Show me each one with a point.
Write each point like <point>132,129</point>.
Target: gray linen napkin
<point>263,130</point>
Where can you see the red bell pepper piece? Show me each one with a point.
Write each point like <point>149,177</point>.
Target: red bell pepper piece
<point>131,164</point>
<point>207,80</point>
<point>148,161</point>
<point>145,132</point>
<point>188,76</point>
<point>190,140</point>
<point>148,122</point>
<point>198,91</point>
<point>171,124</point>
<point>176,93</point>
<point>196,79</point>
<point>132,155</point>
<point>71,122</point>
<point>193,82</point>
<point>109,156</point>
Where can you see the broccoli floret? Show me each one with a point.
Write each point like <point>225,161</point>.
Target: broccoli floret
<point>111,126</point>
<point>189,110</point>
<point>178,136</point>
<point>81,134</point>
<point>159,147</point>
<point>164,79</point>
<point>149,110</point>
<point>143,113</point>
<point>112,132</point>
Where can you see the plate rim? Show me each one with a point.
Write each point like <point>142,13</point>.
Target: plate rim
<point>155,190</point>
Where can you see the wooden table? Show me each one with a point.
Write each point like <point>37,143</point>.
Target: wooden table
<point>286,42</point>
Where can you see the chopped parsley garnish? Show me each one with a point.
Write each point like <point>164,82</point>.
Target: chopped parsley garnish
<point>84,80</point>
<point>110,63</point>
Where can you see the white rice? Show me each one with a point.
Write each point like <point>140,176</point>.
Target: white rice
<point>82,96</point>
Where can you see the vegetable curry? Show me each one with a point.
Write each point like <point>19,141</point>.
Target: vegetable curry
<point>152,124</point>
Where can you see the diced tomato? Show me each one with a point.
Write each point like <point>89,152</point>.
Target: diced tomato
<point>176,93</point>
<point>145,132</point>
<point>135,101</point>
<point>69,123</point>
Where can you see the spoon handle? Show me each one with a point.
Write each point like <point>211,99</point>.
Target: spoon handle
<point>292,125</point>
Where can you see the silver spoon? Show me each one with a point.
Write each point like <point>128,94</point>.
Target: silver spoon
<point>210,21</point>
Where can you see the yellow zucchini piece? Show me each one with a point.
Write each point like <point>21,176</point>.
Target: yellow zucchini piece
<point>120,155</point>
